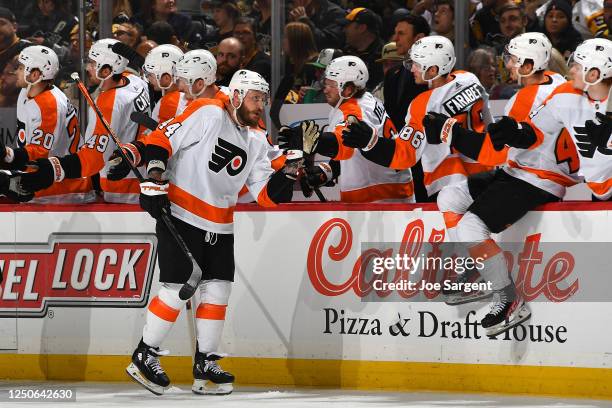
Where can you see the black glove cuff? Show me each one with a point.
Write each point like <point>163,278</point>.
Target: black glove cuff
<point>466,141</point>
<point>382,152</point>
<point>328,145</point>
<point>280,187</point>
<point>20,159</point>
<point>71,165</point>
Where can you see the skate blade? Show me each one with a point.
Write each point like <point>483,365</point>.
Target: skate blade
<point>453,300</point>
<point>205,387</point>
<point>137,376</point>
<point>523,314</point>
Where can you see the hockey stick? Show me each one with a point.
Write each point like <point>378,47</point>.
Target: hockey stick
<point>143,119</point>
<point>190,286</point>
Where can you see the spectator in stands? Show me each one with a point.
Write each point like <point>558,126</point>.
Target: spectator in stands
<point>9,91</point>
<point>128,33</point>
<point>324,19</point>
<point>482,62</point>
<point>559,29</point>
<point>225,14</point>
<point>92,20</point>
<point>230,55</point>
<point>314,92</point>
<point>299,48</point>
<point>262,12</point>
<point>10,44</point>
<point>444,19</point>
<point>49,23</point>
<point>145,46</point>
<point>400,88</point>
<point>389,59</point>
<point>512,22</point>
<point>254,59</point>
<point>163,10</point>
<point>362,33</point>
<point>162,33</point>
<point>484,27</point>
<point>557,63</point>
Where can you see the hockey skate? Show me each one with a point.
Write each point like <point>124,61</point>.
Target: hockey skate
<point>209,378</point>
<point>508,311</point>
<point>456,296</point>
<point>146,370</point>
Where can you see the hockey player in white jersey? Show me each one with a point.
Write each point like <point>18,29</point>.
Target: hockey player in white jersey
<point>542,163</point>
<point>47,125</point>
<point>160,70</point>
<point>526,58</point>
<point>120,95</point>
<point>360,180</point>
<point>207,154</point>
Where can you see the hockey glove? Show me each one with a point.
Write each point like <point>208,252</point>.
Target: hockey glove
<point>303,137</point>
<point>48,171</point>
<point>154,197</point>
<point>508,132</point>
<point>119,169</point>
<point>599,131</point>
<point>359,135</point>
<point>438,128</point>
<point>316,176</point>
<point>293,164</point>
<point>10,187</point>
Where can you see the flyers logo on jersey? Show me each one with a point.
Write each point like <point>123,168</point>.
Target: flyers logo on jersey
<point>101,270</point>
<point>21,133</point>
<point>228,156</point>
<point>463,99</point>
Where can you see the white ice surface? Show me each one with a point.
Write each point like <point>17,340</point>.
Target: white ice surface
<point>133,396</point>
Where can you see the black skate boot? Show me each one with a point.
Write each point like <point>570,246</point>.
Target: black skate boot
<point>209,378</point>
<point>454,290</point>
<point>508,311</point>
<point>146,370</point>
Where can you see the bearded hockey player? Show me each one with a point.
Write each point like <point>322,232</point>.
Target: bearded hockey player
<point>120,95</point>
<point>360,179</point>
<point>207,154</point>
<point>47,125</point>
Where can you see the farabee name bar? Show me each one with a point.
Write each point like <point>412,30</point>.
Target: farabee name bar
<point>76,270</point>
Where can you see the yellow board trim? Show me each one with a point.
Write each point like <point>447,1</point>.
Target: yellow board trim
<point>365,375</point>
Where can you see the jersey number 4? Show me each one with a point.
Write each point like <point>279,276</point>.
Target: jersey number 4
<point>565,151</point>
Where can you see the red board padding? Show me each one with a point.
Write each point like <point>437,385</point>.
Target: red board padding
<point>299,206</point>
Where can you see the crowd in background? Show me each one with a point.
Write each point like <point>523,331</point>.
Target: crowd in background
<point>238,33</point>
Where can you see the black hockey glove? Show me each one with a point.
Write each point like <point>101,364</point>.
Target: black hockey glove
<point>10,187</point>
<point>303,137</point>
<point>599,131</point>
<point>359,135</point>
<point>119,169</point>
<point>316,176</point>
<point>438,128</point>
<point>47,172</point>
<point>293,164</point>
<point>508,132</point>
<point>154,197</point>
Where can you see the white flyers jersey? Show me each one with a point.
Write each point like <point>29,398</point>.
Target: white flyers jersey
<point>522,103</point>
<point>212,159</point>
<point>463,98</point>
<point>47,125</point>
<point>362,180</point>
<point>116,105</point>
<point>170,105</point>
<point>554,162</point>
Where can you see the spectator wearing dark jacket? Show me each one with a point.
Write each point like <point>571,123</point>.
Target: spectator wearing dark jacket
<point>362,31</point>
<point>10,44</point>
<point>163,10</point>
<point>324,19</point>
<point>559,29</point>
<point>254,59</point>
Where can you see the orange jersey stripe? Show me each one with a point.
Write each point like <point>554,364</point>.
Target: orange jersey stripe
<point>451,219</point>
<point>489,156</point>
<point>48,111</point>
<point>523,103</point>
<point>168,105</point>
<point>600,188</point>
<point>199,207</point>
<point>449,166</point>
<point>545,174</point>
<point>378,192</point>
<point>348,108</point>
<point>162,310</point>
<point>211,311</point>
<point>125,186</point>
<point>484,250</point>
<point>36,151</point>
<point>67,186</point>
<point>405,154</point>
<point>279,162</point>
